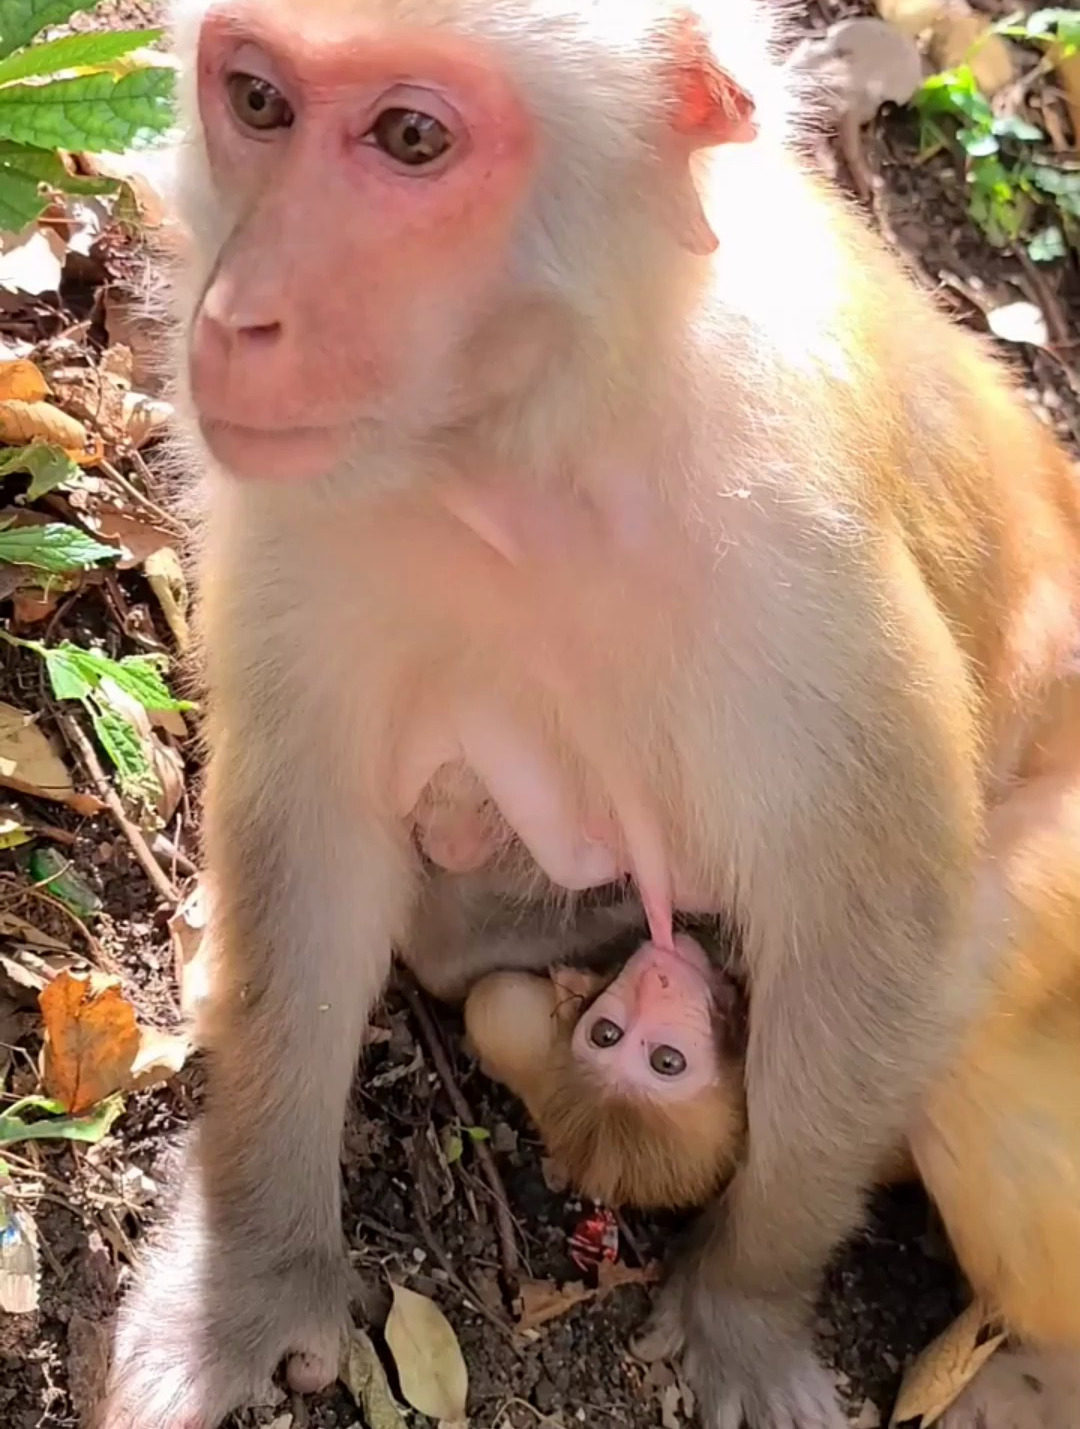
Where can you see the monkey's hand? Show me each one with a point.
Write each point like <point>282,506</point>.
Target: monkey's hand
<point>750,1361</point>
<point>209,1319</point>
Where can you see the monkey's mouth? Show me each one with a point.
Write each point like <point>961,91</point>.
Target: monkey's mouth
<point>286,453</point>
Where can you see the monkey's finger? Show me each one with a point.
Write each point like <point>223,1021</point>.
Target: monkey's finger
<point>661,1337</point>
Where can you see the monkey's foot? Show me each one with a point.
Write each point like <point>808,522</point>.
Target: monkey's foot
<point>1020,1389</point>
<point>190,1346</point>
<point>750,1362</point>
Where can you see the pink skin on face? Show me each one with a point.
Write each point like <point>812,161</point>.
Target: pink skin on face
<point>348,271</point>
<point>654,1016</point>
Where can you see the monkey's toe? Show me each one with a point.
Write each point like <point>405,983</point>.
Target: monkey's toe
<point>309,1371</point>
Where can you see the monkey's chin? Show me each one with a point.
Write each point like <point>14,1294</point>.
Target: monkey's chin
<point>292,454</point>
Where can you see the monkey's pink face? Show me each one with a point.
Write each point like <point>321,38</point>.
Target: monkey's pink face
<point>373,181</point>
<point>649,1033</point>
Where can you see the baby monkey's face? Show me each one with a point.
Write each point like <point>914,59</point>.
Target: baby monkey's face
<point>634,1078</point>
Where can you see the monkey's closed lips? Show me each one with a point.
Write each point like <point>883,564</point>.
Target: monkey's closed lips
<point>269,454</point>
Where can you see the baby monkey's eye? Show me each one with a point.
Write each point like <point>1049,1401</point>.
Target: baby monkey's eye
<point>257,103</point>
<point>605,1033</point>
<point>411,137</point>
<point>667,1061</point>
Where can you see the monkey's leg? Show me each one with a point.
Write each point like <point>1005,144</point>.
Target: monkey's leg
<point>251,1265</point>
<point>858,994</point>
<point>999,1143</point>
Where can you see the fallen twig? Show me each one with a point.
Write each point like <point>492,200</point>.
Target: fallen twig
<point>80,743</point>
<point>504,1221</point>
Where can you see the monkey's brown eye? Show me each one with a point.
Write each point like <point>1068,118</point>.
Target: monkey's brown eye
<point>667,1061</point>
<point>605,1033</point>
<point>411,137</point>
<point>257,104</point>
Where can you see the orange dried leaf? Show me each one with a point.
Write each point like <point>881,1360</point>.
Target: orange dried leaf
<point>91,1040</point>
<point>25,422</point>
<point>22,381</point>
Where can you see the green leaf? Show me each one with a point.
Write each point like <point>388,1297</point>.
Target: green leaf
<point>976,144</point>
<point>21,201</point>
<point>55,547</point>
<point>452,1146</point>
<point>478,1133</point>
<point>92,111</point>
<point>1011,126</point>
<point>49,467</point>
<point>1065,25</point>
<point>75,52</point>
<point>49,866</point>
<point>21,20</point>
<point>76,673</point>
<point>91,1127</point>
<point>44,166</point>
<point>1047,245</point>
<point>122,743</point>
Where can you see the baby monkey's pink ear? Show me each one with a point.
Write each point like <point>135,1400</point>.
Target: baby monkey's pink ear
<point>710,107</point>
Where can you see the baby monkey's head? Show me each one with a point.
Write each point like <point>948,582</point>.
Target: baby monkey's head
<point>634,1079</point>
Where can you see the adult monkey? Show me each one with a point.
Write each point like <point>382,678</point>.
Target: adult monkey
<point>532,445</point>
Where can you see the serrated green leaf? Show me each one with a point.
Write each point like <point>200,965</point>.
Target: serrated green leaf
<point>122,743</point>
<point>55,547</point>
<point>49,467</point>
<point>140,677</point>
<point>21,200</point>
<point>65,673</point>
<point>75,673</point>
<point>48,865</point>
<point>21,20</point>
<point>44,166</point>
<point>91,111</point>
<point>99,49</point>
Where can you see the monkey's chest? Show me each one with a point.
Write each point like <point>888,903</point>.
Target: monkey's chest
<point>557,650</point>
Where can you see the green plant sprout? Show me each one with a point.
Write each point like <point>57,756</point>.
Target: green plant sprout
<point>99,93</point>
<point>1015,193</point>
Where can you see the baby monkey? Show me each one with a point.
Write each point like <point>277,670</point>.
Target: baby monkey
<point>634,1076</point>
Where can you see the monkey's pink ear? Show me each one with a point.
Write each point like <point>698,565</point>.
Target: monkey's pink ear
<point>710,107</point>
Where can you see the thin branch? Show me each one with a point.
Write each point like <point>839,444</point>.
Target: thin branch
<point>504,1221</point>
<point>81,744</point>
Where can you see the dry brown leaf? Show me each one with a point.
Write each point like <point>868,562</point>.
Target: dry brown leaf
<point>962,37</point>
<point>192,949</point>
<point>544,1300</point>
<point>29,760</point>
<point>139,537</point>
<point>33,605</point>
<point>913,17</point>
<point>94,395</point>
<point>160,1056</point>
<point>610,1275</point>
<point>947,1365</point>
<point>430,1365</point>
<point>361,1372</point>
<point>145,418</point>
<point>91,1040</point>
<point>22,381</point>
<point>25,422</point>
<point>165,575</point>
<point>32,261</point>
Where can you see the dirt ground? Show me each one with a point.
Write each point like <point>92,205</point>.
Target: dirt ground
<point>415,1211</point>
